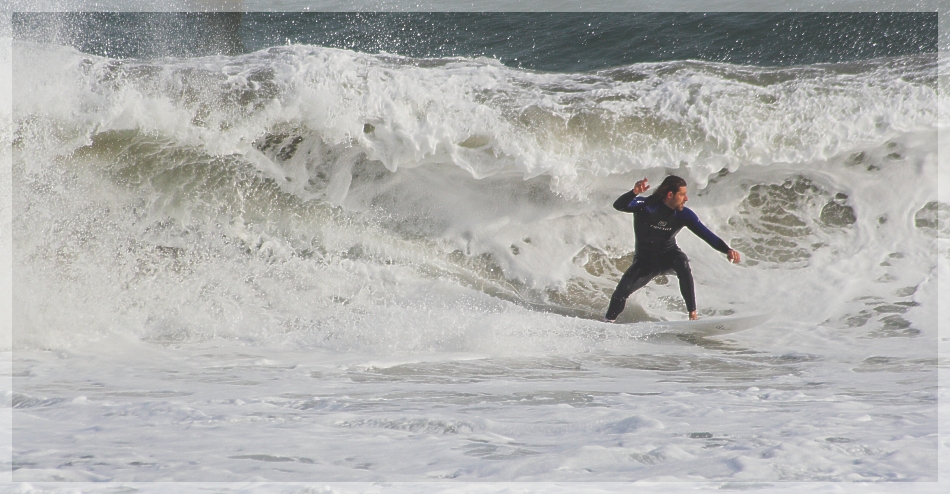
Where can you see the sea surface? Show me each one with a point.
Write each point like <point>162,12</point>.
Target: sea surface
<point>370,252</point>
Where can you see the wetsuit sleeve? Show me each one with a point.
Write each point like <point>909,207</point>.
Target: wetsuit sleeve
<point>697,227</point>
<point>629,202</point>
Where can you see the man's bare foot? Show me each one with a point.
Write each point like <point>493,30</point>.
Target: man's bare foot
<point>693,316</point>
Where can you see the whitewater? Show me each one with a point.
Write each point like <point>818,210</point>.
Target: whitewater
<point>377,272</point>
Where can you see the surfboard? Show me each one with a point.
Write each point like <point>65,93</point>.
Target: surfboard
<point>712,326</point>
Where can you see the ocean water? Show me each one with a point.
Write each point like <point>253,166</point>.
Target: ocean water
<point>372,251</point>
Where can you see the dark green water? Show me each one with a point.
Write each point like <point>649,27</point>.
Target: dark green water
<point>547,41</point>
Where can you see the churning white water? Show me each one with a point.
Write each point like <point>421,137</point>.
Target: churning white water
<point>307,263</point>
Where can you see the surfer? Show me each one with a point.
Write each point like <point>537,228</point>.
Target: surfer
<point>656,221</point>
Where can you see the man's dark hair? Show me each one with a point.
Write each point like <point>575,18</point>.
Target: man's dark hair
<point>671,183</point>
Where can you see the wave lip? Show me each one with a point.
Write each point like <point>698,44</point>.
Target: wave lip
<point>486,118</point>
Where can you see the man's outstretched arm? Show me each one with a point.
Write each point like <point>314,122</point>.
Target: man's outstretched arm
<point>697,227</point>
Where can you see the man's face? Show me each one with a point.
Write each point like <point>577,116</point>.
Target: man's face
<point>676,200</point>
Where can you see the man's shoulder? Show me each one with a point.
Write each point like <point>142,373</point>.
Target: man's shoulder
<point>687,214</point>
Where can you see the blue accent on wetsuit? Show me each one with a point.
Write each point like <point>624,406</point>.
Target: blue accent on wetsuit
<point>655,225</point>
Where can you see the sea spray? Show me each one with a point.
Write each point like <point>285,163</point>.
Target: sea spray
<point>346,178</point>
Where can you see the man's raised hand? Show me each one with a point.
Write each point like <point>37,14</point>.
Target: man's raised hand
<point>640,187</point>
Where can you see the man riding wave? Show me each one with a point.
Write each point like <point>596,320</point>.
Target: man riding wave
<point>656,221</point>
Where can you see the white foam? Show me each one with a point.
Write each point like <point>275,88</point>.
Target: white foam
<point>361,294</point>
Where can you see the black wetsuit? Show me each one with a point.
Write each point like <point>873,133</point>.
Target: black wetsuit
<point>655,225</point>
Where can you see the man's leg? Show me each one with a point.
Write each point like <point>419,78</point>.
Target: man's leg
<point>681,266</point>
<point>638,274</point>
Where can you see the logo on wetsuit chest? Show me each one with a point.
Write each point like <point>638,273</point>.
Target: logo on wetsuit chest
<point>661,225</point>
